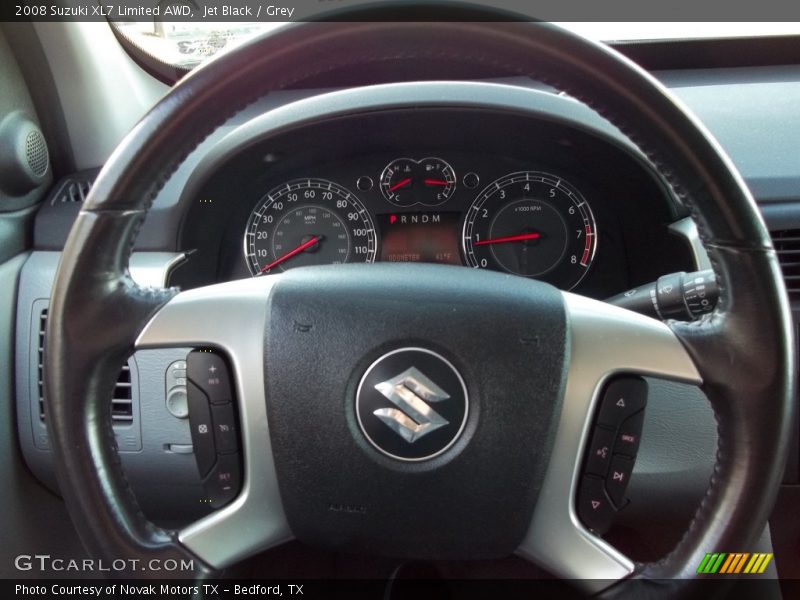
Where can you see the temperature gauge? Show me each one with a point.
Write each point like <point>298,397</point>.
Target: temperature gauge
<point>430,181</point>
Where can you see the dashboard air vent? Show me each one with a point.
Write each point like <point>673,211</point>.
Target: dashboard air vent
<point>72,190</point>
<point>787,245</point>
<point>122,401</point>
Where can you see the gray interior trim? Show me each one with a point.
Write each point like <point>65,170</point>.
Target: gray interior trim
<point>34,520</point>
<point>232,317</point>
<point>36,281</point>
<point>91,69</point>
<point>604,340</point>
<point>687,229</point>
<point>752,112</point>
<point>152,269</point>
<point>14,232</point>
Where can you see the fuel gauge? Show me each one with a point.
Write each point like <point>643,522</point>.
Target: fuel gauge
<point>406,182</point>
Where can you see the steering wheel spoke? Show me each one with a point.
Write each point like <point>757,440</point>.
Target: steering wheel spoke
<point>604,341</point>
<point>231,317</point>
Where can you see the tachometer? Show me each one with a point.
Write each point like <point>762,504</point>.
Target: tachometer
<point>531,224</point>
<point>308,222</point>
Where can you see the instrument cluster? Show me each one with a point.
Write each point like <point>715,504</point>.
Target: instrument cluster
<point>479,189</point>
<point>529,222</point>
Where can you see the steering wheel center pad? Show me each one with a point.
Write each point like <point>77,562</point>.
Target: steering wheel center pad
<point>506,336</point>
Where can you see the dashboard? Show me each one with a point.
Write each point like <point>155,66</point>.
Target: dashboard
<point>481,175</point>
<point>421,172</point>
<point>205,211</point>
<point>473,187</point>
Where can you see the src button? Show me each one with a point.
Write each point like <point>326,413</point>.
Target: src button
<point>629,435</point>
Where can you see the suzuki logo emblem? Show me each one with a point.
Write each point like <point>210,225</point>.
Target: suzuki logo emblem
<point>411,392</point>
<point>411,404</point>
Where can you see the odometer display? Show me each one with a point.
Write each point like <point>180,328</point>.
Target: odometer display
<point>308,222</point>
<point>531,224</point>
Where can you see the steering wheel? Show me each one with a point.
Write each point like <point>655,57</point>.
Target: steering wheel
<point>530,382</point>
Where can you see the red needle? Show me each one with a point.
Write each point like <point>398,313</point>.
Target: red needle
<point>400,184</point>
<point>435,182</point>
<point>510,238</point>
<point>291,253</point>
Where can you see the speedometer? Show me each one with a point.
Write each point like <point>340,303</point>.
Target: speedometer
<point>532,224</point>
<point>308,222</point>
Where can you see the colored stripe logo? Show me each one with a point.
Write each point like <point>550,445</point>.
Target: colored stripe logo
<point>723,563</point>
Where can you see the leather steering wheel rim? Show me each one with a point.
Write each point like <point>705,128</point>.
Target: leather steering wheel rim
<point>743,350</point>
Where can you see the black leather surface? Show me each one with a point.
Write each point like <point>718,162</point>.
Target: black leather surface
<point>743,350</point>
<point>739,350</point>
<point>355,314</point>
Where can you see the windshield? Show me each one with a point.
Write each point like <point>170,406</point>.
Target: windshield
<point>188,44</point>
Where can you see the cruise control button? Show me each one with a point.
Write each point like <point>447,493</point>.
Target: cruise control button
<point>209,372</point>
<point>629,435</point>
<point>623,397</point>
<point>224,428</point>
<point>202,429</point>
<point>224,481</point>
<point>617,478</point>
<point>594,507</point>
<point>600,449</point>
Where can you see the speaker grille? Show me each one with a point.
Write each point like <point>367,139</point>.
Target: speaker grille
<point>36,152</point>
